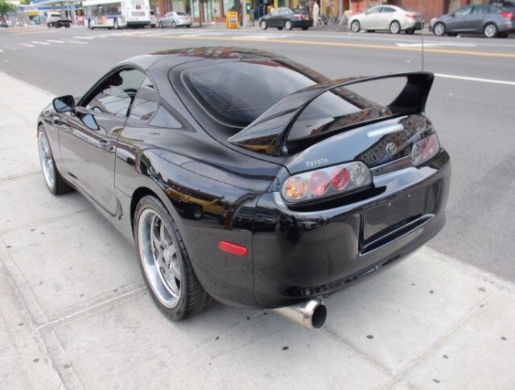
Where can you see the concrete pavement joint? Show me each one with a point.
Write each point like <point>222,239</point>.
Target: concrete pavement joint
<point>440,342</point>
<point>26,313</point>
<point>102,303</point>
<point>43,221</point>
<point>362,354</point>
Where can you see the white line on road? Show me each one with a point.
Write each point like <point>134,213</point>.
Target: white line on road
<point>26,44</point>
<point>448,76</point>
<point>51,40</point>
<point>41,43</point>
<point>83,43</point>
<point>89,38</point>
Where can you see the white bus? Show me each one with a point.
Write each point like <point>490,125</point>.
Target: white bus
<point>116,14</point>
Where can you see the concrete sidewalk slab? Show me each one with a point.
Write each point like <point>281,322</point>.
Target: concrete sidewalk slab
<point>74,312</point>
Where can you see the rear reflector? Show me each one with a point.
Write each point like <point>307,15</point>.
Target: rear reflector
<point>233,249</point>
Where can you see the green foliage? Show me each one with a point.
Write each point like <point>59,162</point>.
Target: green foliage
<point>6,7</point>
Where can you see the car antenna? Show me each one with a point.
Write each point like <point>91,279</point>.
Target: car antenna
<point>421,31</point>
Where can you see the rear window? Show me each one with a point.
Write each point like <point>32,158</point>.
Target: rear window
<point>332,111</point>
<point>237,93</point>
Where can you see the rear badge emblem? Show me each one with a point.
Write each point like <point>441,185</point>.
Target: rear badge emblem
<point>391,149</point>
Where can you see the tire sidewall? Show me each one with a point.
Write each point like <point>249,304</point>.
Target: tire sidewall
<point>42,132</point>
<point>437,31</point>
<point>152,203</point>
<point>397,30</point>
<point>263,25</point>
<point>486,29</point>
<point>355,29</point>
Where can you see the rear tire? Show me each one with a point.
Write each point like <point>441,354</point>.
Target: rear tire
<point>165,263</point>
<point>174,25</point>
<point>160,25</point>
<point>395,27</point>
<point>490,30</point>
<point>53,179</point>
<point>355,26</point>
<point>288,25</point>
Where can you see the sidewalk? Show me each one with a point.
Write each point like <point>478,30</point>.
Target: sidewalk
<point>74,312</point>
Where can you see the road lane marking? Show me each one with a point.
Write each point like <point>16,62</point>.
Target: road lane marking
<point>88,38</point>
<point>41,43</point>
<point>82,43</point>
<point>448,76</point>
<point>338,44</point>
<point>26,44</point>
<point>53,41</point>
<point>436,44</point>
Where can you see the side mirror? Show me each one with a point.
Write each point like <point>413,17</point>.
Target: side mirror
<point>64,104</point>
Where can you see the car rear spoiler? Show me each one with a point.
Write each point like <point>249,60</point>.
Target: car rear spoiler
<point>269,132</point>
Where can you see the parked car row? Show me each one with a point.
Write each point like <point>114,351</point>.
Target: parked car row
<point>492,20</point>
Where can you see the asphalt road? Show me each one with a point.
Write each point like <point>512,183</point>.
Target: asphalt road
<point>471,104</point>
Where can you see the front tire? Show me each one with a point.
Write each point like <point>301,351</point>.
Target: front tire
<point>355,27</point>
<point>174,25</point>
<point>165,263</point>
<point>395,27</point>
<point>160,25</point>
<point>53,179</point>
<point>439,29</point>
<point>490,30</point>
<point>263,25</point>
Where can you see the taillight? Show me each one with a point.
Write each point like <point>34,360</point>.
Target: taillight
<point>326,182</point>
<point>507,15</point>
<point>412,16</point>
<point>298,16</point>
<point>425,149</point>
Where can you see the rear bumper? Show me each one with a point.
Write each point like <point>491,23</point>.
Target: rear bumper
<point>301,255</point>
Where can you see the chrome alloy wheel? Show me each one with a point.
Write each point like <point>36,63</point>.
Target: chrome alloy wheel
<point>46,159</point>
<point>159,258</point>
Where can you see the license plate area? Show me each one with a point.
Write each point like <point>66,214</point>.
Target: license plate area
<point>384,219</point>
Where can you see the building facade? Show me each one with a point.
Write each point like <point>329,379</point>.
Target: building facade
<point>208,11</point>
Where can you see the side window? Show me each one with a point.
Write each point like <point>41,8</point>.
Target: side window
<point>374,10</point>
<point>116,93</point>
<point>478,10</point>
<point>463,11</point>
<point>388,10</point>
<point>145,102</point>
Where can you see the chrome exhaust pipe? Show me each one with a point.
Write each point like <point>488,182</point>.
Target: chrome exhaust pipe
<point>310,314</point>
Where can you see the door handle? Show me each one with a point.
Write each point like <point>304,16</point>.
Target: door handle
<point>106,145</point>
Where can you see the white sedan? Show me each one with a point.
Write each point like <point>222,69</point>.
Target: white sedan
<point>386,17</point>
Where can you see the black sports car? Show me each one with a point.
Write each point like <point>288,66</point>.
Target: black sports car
<point>286,18</point>
<point>246,178</point>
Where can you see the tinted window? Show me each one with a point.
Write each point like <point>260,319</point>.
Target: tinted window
<point>463,11</point>
<point>238,92</point>
<point>115,94</point>
<point>479,10</point>
<point>145,102</point>
<point>388,10</point>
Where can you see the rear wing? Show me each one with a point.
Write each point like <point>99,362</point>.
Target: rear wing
<point>269,132</point>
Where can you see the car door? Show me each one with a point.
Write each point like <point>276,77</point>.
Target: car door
<point>88,137</point>
<point>386,17</point>
<point>370,20</point>
<point>459,20</point>
<point>274,18</point>
<point>475,22</point>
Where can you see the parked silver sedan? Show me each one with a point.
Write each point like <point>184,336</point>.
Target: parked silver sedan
<point>175,19</point>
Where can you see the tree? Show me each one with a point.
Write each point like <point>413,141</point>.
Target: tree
<point>6,7</point>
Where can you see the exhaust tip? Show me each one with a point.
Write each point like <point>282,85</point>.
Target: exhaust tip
<point>309,314</point>
<point>319,316</point>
